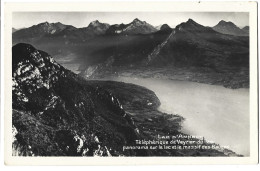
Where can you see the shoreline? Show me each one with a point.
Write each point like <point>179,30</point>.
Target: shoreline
<point>145,116</point>
<point>233,78</point>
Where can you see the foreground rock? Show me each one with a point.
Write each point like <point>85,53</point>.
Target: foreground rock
<point>56,113</point>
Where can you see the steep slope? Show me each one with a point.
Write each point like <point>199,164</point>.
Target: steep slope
<point>229,28</point>
<point>158,48</point>
<point>192,44</point>
<point>56,113</point>
<point>119,50</point>
<point>135,27</point>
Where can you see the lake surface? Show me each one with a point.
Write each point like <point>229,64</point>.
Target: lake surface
<point>217,113</point>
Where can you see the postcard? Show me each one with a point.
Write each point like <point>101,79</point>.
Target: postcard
<point>130,83</point>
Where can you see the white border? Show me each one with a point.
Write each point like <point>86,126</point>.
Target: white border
<point>250,7</point>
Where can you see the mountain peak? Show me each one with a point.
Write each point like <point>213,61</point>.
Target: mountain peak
<point>97,28</point>
<point>191,25</point>
<point>191,21</point>
<point>52,25</point>
<point>95,22</point>
<point>228,27</point>
<point>136,20</point>
<point>165,27</point>
<point>223,23</point>
<point>135,27</point>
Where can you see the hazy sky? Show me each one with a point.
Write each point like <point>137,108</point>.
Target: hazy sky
<point>82,19</point>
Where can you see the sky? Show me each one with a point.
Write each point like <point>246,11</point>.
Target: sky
<point>82,19</point>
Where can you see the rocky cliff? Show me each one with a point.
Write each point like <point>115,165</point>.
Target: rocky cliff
<point>57,113</point>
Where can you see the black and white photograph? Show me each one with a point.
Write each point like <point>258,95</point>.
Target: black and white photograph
<point>132,84</point>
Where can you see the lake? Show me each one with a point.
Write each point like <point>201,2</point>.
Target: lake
<point>215,112</point>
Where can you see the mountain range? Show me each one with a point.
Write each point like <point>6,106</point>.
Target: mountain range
<point>69,32</point>
<point>101,47</point>
<point>97,28</point>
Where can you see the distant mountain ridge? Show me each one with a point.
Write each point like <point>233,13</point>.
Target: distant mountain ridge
<point>60,30</point>
<point>70,32</point>
<point>230,28</point>
<point>101,47</point>
<point>95,28</point>
<point>41,30</point>
<point>135,27</point>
